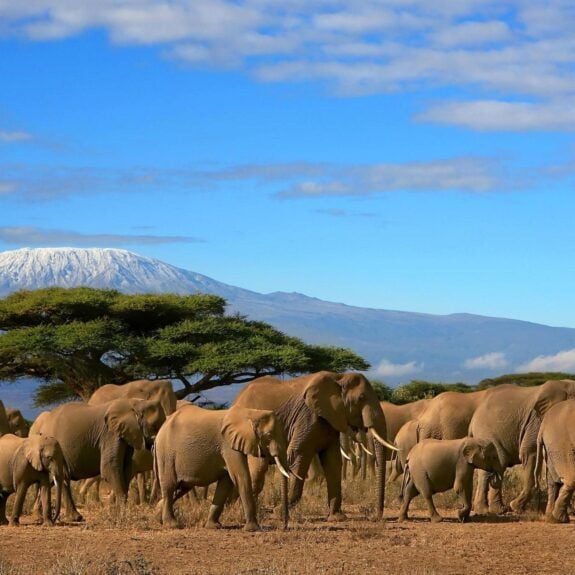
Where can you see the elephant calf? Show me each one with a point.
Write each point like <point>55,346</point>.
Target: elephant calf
<point>24,461</point>
<point>434,466</point>
<point>196,447</point>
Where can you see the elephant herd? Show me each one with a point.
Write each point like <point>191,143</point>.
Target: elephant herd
<point>436,444</point>
<point>124,430</point>
<point>526,426</point>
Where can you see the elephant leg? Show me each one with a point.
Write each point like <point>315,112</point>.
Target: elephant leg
<point>552,493</point>
<point>427,494</point>
<point>3,519</point>
<point>409,492</point>
<point>224,488</point>
<point>46,493</point>
<point>480,503</point>
<point>495,498</point>
<point>87,485</point>
<point>520,502</point>
<point>21,490</point>
<point>37,507</point>
<point>464,490</point>
<point>140,488</point>
<point>168,489</point>
<point>72,513</point>
<point>331,462</point>
<point>237,466</point>
<point>560,512</point>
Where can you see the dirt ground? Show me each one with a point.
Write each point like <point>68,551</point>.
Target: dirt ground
<point>135,543</point>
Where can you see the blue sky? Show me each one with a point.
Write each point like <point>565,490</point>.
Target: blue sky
<point>394,154</point>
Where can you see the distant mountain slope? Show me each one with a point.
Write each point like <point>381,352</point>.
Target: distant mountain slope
<point>400,345</point>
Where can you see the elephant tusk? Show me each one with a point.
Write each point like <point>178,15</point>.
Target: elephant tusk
<point>56,482</point>
<point>346,456</point>
<point>281,467</point>
<point>366,449</point>
<point>383,441</point>
<point>296,475</point>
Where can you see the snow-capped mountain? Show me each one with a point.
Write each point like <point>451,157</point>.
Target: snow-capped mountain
<point>400,345</point>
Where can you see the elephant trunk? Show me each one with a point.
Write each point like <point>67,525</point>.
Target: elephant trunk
<point>58,473</point>
<point>374,420</point>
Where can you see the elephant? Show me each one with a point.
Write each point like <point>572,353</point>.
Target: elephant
<point>436,465</point>
<point>396,416</point>
<point>160,390</point>
<point>314,409</point>
<point>556,446</point>
<point>26,461</point>
<point>197,447</point>
<point>101,439</point>
<point>405,439</point>
<point>510,417</point>
<point>18,425</point>
<point>4,422</point>
<point>447,416</point>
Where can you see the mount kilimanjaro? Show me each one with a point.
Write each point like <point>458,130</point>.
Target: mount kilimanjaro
<point>400,345</point>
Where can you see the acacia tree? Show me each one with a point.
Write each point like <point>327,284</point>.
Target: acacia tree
<point>77,339</point>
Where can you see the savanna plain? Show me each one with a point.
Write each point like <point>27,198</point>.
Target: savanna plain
<point>126,541</point>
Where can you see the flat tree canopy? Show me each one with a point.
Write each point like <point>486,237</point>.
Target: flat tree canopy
<point>78,339</point>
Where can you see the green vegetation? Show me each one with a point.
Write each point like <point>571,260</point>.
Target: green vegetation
<point>78,339</point>
<point>420,389</point>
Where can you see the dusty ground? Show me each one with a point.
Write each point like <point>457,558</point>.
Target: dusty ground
<point>134,543</point>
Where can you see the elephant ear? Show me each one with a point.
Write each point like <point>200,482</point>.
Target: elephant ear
<point>550,393</point>
<point>123,421</point>
<point>471,452</point>
<point>239,431</point>
<point>323,396</point>
<point>33,452</point>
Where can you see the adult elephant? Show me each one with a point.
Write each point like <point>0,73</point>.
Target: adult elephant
<point>396,416</point>
<point>314,409</point>
<point>448,415</point>
<point>510,417</point>
<point>101,439</point>
<point>159,390</point>
<point>18,425</point>
<point>4,423</point>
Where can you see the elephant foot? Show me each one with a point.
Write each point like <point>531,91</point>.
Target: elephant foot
<point>210,524</point>
<point>14,522</point>
<point>563,518</point>
<point>401,518</point>
<point>498,508</point>
<point>252,526</point>
<point>337,516</point>
<point>463,516</point>
<point>436,519</point>
<point>518,505</point>
<point>47,523</point>
<point>481,509</point>
<point>3,521</point>
<point>170,524</point>
<point>74,517</point>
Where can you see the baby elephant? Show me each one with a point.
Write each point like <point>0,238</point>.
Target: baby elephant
<point>196,447</point>
<point>36,459</point>
<point>436,465</point>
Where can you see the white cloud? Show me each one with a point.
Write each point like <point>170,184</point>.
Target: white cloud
<point>562,361</point>
<point>494,360</point>
<point>386,368</point>
<point>9,137</point>
<point>33,236</point>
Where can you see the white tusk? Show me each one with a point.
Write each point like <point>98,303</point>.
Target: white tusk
<point>345,454</point>
<point>382,441</point>
<point>296,476</point>
<point>366,449</point>
<point>56,482</point>
<point>281,467</point>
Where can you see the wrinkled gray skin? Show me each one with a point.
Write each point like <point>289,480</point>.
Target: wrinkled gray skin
<point>314,410</point>
<point>556,447</point>
<point>197,447</point>
<point>27,461</point>
<point>448,415</point>
<point>434,466</point>
<point>510,417</point>
<point>100,440</point>
<point>18,425</point>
